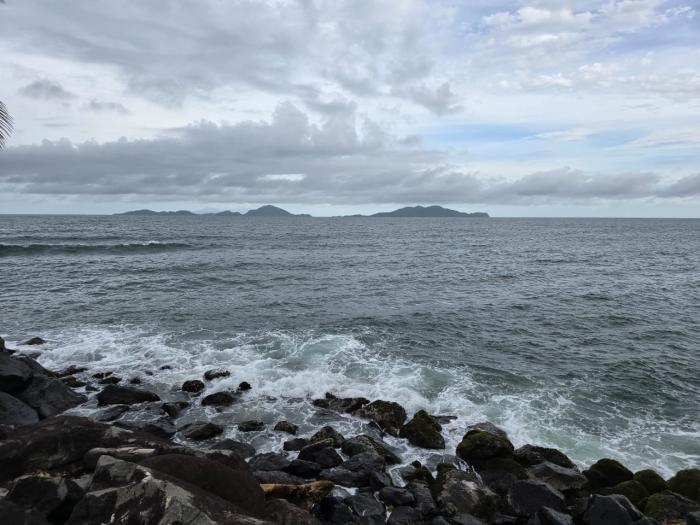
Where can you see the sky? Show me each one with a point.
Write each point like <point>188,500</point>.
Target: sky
<point>516,108</point>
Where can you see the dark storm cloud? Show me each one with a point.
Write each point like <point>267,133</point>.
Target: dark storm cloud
<point>45,89</point>
<point>291,159</point>
<point>114,107</point>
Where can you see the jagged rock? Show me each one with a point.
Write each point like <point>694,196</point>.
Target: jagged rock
<point>604,510</point>
<point>388,415</point>
<point>15,374</point>
<point>328,432</point>
<point>651,480</point>
<point>34,366</point>
<point>423,431</point>
<point>111,413</point>
<point>416,472</point>
<point>686,483</point>
<point>425,502</point>
<point>341,404</point>
<point>49,396</point>
<point>667,506</point>
<point>529,455</point>
<point>174,408</point>
<point>73,382</point>
<point>132,454</point>
<point>406,516</point>
<point>200,430</point>
<point>51,497</point>
<point>124,395</point>
<point>499,474</point>
<point>251,426</point>
<point>560,478</point>
<point>269,461</point>
<point>304,469</point>
<point>14,514</point>
<point>480,444</point>
<point>295,444</point>
<point>396,497</point>
<point>321,452</point>
<point>364,443</point>
<point>34,341</point>
<point>193,386</point>
<point>527,497</point>
<point>244,385</point>
<point>487,426</point>
<point>242,449</point>
<point>111,380</point>
<point>215,373</point>
<point>218,399</point>
<point>547,516</point>
<point>365,462</point>
<point>286,426</point>
<point>277,477</point>
<point>367,510</point>
<point>607,473</point>
<point>333,511</point>
<point>379,480</point>
<point>458,492</point>
<point>15,412</point>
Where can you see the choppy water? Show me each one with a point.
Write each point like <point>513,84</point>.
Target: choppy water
<point>578,334</point>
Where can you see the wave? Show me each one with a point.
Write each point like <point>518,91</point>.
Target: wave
<point>10,250</point>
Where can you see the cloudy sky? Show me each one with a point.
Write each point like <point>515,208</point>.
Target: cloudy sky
<point>531,108</point>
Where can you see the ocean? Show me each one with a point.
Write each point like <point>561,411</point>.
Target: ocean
<point>580,334</point>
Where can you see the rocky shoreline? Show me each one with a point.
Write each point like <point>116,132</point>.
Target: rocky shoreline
<point>166,469</point>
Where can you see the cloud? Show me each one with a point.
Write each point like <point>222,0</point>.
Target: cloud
<point>98,107</point>
<point>45,89</point>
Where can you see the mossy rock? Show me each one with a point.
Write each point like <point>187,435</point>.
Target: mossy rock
<point>651,480</point>
<point>686,483</point>
<point>668,507</point>
<point>632,490</point>
<point>423,431</point>
<point>607,472</point>
<point>529,455</point>
<point>479,444</point>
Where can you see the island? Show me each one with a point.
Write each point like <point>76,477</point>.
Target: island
<point>430,212</point>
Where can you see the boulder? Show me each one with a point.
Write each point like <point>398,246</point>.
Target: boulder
<point>366,462</point>
<point>132,454</point>
<point>52,497</point>
<point>71,370</point>
<point>215,373</point>
<point>286,426</point>
<point>111,380</point>
<point>295,444</point>
<point>529,455</point>
<point>459,492</point>
<point>547,516</point>
<point>304,469</point>
<point>561,478</point>
<point>269,461</point>
<point>379,480</point>
<point>251,426</point>
<point>480,444</point>
<point>331,510</point>
<point>424,500</point>
<point>16,412</point>
<point>49,396</point>
<point>328,432</point>
<point>73,382</point>
<point>651,480</point>
<point>366,509</point>
<point>14,514</point>
<point>365,443</point>
<point>667,506</point>
<point>321,452</point>
<point>423,431</point>
<point>416,472</point>
<point>14,374</point>
<point>218,399</point>
<point>124,395</point>
<point>244,450</point>
<point>244,385</point>
<point>341,404</point>
<point>632,490</point>
<point>200,430</point>
<point>282,512</point>
<point>406,516</point>
<point>396,497</point>
<point>686,483</point>
<point>487,426</point>
<point>344,477</point>
<point>389,416</point>
<point>693,518</point>
<point>193,386</point>
<point>162,428</point>
<point>499,474</point>
<point>604,510</point>
<point>111,413</point>
<point>528,496</point>
<point>174,408</point>
<point>277,477</point>
<point>34,341</point>
<point>607,472</point>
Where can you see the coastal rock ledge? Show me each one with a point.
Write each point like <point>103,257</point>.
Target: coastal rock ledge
<point>164,467</point>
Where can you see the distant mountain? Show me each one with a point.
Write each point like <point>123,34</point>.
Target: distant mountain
<point>151,212</point>
<point>428,211</point>
<point>268,211</point>
<point>226,213</point>
<point>263,211</point>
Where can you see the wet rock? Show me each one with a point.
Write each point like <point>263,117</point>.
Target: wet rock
<point>282,512</point>
<point>686,483</point>
<point>344,477</point>
<point>396,497</point>
<point>111,380</point>
<point>321,452</point>
<point>124,395</point>
<point>560,478</point>
<point>365,462</point>
<point>328,432</point>
<point>364,443</point>
<point>162,428</point>
<point>15,412</point>
<point>132,454</point>
<point>668,506</point>
<point>3,348</point>
<point>14,514</point>
<point>304,469</point>
<point>111,413</point>
<point>423,431</point>
<point>49,396</point>
<point>73,382</point>
<point>530,455</point>
<point>295,444</point>
<point>487,426</point>
<point>251,426</point>
<point>333,511</point>
<point>216,373</point>
<point>406,516</point>
<point>35,341</point>
<point>651,480</point>
<point>244,385</point>
<point>345,404</point>
<point>604,510</point>
<point>632,490</point>
<point>51,497</point>
<point>277,477</point>
<point>200,430</point>
<point>15,375</point>
<point>607,473</point>
<point>193,386</point>
<point>480,444</point>
<point>242,449</point>
<point>458,492</point>
<point>135,381</point>
<point>416,472</point>
<point>389,415</point>
<point>286,426</point>
<point>379,480</point>
<point>366,509</point>
<point>174,408</point>
<point>425,502</point>
<point>499,474</point>
<point>693,518</point>
<point>101,375</point>
<point>218,399</point>
<point>527,497</point>
<point>269,461</point>
<point>547,516</point>
<point>71,370</point>
<point>166,367</point>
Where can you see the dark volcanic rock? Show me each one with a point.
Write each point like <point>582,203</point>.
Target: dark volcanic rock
<point>364,443</point>
<point>215,373</point>
<point>321,452</point>
<point>124,395</point>
<point>286,426</point>
<point>342,404</point>
<point>34,341</point>
<point>332,510</point>
<point>201,430</point>
<point>499,474</point>
<point>344,477</point>
<point>396,496</point>
<point>277,476</point>
<point>604,510</point>
<point>480,444</point>
<point>49,396</point>
<point>52,497</point>
<point>73,382</point>
<point>388,415</point>
<point>269,461</point>
<point>487,426</point>
<point>295,444</point>
<point>423,431</point>
<point>71,370</point>
<point>668,506</point>
<point>651,480</point>
<point>244,385</point>
<point>174,408</point>
<point>607,473</point>
<point>111,413</point>
<point>560,478</point>
<point>193,386</point>
<point>14,514</point>
<point>111,380</point>
<point>529,455</point>
<point>365,462</point>
<point>458,492</point>
<point>406,516</point>
<point>218,399</point>
<point>251,426</point>
<point>547,516</point>
<point>328,432</point>
<point>162,428</point>
<point>631,489</point>
<point>242,449</point>
<point>15,412</point>
<point>527,497</point>
<point>285,513</point>
<point>304,469</point>
<point>425,502</point>
<point>366,509</point>
<point>686,483</point>
<point>14,374</point>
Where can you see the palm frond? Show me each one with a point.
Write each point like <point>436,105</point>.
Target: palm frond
<point>5,124</point>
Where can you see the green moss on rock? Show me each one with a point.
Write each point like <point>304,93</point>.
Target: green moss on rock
<point>632,490</point>
<point>479,444</point>
<point>686,483</point>
<point>651,480</point>
<point>607,472</point>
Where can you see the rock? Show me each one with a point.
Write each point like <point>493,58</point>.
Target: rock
<point>236,485</point>
<point>244,385</point>
<point>132,454</point>
<point>604,510</point>
<point>251,426</point>
<point>71,370</point>
<point>607,473</point>
<point>242,449</point>
<point>364,443</point>
<point>406,516</point>
<point>328,432</point>
<point>499,474</point>
<point>101,375</point>
<point>480,444</point>
<point>282,512</point>
<point>365,462</point>
<point>527,497</point>
<point>200,430</point>
<point>219,399</point>
<point>215,373</point>
<point>13,514</point>
<point>321,452</point>
<point>388,415</point>
<point>379,480</point>
<point>15,412</point>
<point>111,380</point>
<point>3,348</point>
<point>111,413</point>
<point>416,472</point>
<point>458,492</point>
<point>686,483</point>
<point>166,367</point>
<point>425,502</point>
<point>15,375</point>
<point>333,511</point>
<point>295,444</point>
<point>162,428</point>
<point>344,477</point>
<point>396,497</point>
<point>547,516</point>
<point>135,380</point>
<point>367,510</point>
<point>560,478</point>
<point>632,490</point>
<point>667,506</point>
<point>277,477</point>
<point>73,382</point>
<point>304,469</point>
<point>124,395</point>
<point>529,455</point>
<point>693,518</point>
<point>269,461</point>
<point>193,386</point>
<point>51,497</point>
<point>49,396</point>
<point>651,480</point>
<point>487,426</point>
<point>423,431</point>
<point>174,408</point>
<point>34,341</point>
<point>286,426</point>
